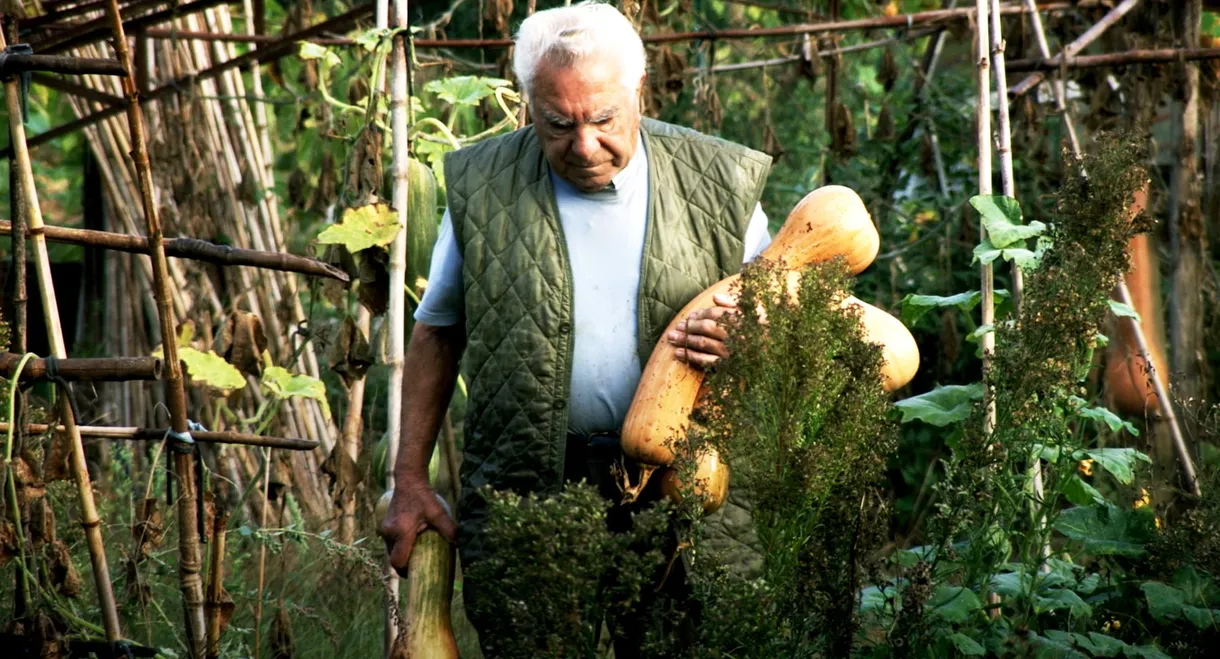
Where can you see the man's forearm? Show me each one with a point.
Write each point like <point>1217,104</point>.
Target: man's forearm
<point>432,369</point>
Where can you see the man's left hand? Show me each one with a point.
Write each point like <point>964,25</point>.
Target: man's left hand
<point>700,338</point>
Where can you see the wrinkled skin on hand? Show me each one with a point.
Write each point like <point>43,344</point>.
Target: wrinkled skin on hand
<point>414,508</point>
<point>700,338</point>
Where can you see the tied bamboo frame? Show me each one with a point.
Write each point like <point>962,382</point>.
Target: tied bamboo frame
<point>189,561</point>
<point>89,515</point>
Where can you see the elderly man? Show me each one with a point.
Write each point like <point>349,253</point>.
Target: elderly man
<point>566,249</point>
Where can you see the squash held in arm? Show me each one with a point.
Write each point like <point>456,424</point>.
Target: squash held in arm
<point>829,222</point>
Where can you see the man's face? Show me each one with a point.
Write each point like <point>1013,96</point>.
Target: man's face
<point>587,121</point>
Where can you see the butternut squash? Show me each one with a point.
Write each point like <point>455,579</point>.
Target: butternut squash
<point>828,222</point>
<point>429,628</point>
<point>711,481</point>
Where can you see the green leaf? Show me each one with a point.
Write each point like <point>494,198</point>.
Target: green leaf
<point>977,335</point>
<point>1089,584</point>
<point>1102,340</point>
<point>282,383</point>
<point>1164,601</point>
<point>207,368</point>
<point>314,51</point>
<point>369,39</point>
<point>1101,415</point>
<point>1106,646</point>
<point>363,227</point>
<point>1145,652</point>
<point>1123,310</point>
<point>966,645</point>
<point>1120,462</point>
<point>1108,529</point>
<point>1053,649</point>
<point>873,600</point>
<point>1002,218</point>
<point>941,406</point>
<point>1011,584</point>
<point>1062,599</point>
<point>1080,493</point>
<point>915,306</point>
<point>953,604</point>
<point>465,90</point>
<point>986,253</point>
<point>1202,618</point>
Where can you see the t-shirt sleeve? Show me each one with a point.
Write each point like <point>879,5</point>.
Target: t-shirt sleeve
<point>443,303</point>
<point>757,236</point>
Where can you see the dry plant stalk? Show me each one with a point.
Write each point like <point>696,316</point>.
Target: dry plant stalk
<point>46,285</point>
<point>353,424</point>
<point>1164,403</point>
<point>189,563</point>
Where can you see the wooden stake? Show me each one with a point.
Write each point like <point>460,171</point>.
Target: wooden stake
<point>216,582</point>
<point>353,424</point>
<point>189,563</point>
<point>1007,183</point>
<point>158,434</point>
<point>80,472</point>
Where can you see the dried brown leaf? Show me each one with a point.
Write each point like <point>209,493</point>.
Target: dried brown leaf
<point>885,125</point>
<point>344,475</point>
<point>137,590</point>
<point>9,546</point>
<point>364,173</point>
<point>373,267</point>
<point>844,138</point>
<point>888,74</point>
<point>41,527</point>
<point>61,572</point>
<point>242,342</point>
<point>349,354</point>
<point>149,529</point>
<point>498,13</point>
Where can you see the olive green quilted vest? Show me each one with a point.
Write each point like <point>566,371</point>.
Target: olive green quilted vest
<point>518,290</point>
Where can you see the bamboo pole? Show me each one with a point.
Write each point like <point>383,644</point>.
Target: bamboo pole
<point>158,434</point>
<point>86,369</point>
<point>89,516</point>
<point>216,582</point>
<point>191,248</point>
<point>983,121</point>
<point>17,332</point>
<point>60,64</point>
<point>396,314</point>
<point>256,85</point>
<point>1099,28</point>
<point>1060,91</point>
<point>1124,58</point>
<point>1004,149</point>
<point>97,30</point>
<point>189,563</point>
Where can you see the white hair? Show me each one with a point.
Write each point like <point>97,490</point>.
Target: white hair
<point>567,35</point>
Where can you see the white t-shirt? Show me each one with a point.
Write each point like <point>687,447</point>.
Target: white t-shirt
<point>604,232</point>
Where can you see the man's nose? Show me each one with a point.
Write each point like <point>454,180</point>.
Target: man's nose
<point>585,144</point>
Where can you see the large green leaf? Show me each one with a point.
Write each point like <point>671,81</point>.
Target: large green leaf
<point>1123,310</point>
<point>1100,644</point>
<point>1011,584</point>
<point>207,368</point>
<point>1120,462</point>
<point>941,406</point>
<point>374,225</point>
<point>323,54</point>
<point>1050,648</point>
<point>1001,217</point>
<point>1145,652</point>
<point>915,306</point>
<point>283,383</point>
<point>966,645</point>
<point>1102,415</point>
<point>985,253</point>
<point>1080,492</point>
<point>953,604</point>
<point>1062,599</point>
<point>465,90</point>
<point>1108,529</point>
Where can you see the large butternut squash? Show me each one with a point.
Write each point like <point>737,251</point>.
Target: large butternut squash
<point>829,222</point>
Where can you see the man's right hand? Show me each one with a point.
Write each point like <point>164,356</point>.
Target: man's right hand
<point>414,508</point>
